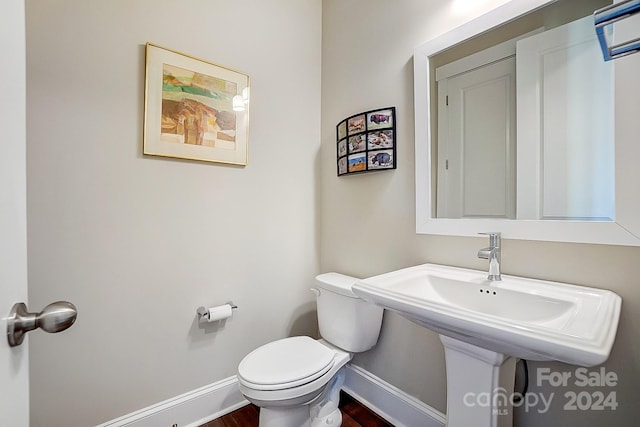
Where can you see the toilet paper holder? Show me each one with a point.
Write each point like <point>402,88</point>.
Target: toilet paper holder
<point>203,312</point>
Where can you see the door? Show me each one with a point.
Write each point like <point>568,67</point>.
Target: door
<point>566,122</point>
<point>14,362</point>
<point>476,140</point>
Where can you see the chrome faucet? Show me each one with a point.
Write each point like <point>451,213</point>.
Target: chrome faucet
<point>492,253</point>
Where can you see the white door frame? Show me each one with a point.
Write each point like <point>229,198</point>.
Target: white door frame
<point>14,362</point>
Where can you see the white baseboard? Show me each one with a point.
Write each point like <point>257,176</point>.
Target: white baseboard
<point>199,406</point>
<point>391,403</point>
<point>191,409</point>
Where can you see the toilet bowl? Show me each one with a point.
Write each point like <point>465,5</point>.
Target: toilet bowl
<point>284,376</point>
<point>296,381</point>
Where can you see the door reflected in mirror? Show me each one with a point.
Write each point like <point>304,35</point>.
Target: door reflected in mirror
<point>522,123</point>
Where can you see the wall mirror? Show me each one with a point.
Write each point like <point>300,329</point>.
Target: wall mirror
<point>516,131</point>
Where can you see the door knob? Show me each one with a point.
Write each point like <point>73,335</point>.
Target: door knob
<point>55,317</point>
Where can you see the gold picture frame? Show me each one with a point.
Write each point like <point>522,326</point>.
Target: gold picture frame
<point>194,109</point>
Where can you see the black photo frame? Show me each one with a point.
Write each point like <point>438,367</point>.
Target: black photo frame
<point>366,142</point>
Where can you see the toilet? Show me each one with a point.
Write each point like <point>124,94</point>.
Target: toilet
<point>296,381</point>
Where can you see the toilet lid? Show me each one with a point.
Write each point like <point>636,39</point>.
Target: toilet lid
<point>287,362</point>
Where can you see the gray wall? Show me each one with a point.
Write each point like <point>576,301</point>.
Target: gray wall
<point>368,220</point>
<point>138,243</point>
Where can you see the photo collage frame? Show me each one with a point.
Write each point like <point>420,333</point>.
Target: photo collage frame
<point>367,142</point>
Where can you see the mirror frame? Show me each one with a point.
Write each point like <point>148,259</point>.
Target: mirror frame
<point>625,230</point>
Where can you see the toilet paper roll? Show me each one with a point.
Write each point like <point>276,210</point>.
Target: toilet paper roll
<point>218,313</point>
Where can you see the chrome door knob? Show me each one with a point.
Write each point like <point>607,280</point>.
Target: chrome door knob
<point>55,317</point>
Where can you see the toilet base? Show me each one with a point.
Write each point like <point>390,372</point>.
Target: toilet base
<point>296,416</point>
<point>322,412</point>
<point>326,413</point>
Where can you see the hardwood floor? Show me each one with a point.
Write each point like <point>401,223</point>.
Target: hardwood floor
<point>247,416</point>
<point>354,414</point>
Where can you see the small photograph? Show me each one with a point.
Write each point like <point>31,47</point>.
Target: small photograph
<point>357,162</point>
<point>357,143</point>
<point>367,141</point>
<point>342,165</point>
<point>380,119</point>
<point>342,130</point>
<point>380,139</point>
<point>382,159</point>
<point>342,148</point>
<point>356,124</point>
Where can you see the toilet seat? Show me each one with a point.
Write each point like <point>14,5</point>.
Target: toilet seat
<point>286,363</point>
<point>301,391</point>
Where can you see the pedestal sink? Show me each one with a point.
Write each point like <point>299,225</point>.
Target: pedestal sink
<point>484,325</point>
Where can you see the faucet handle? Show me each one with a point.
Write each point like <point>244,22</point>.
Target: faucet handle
<point>494,237</point>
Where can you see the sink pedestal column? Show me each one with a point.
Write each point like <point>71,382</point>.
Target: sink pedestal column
<point>479,385</point>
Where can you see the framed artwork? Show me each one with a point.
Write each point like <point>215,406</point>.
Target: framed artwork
<point>367,141</point>
<point>190,111</point>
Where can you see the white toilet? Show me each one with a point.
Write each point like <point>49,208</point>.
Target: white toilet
<point>296,381</point>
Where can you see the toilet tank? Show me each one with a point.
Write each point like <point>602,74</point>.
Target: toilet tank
<point>344,319</point>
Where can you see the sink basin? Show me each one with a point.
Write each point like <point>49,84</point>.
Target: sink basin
<point>525,318</point>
